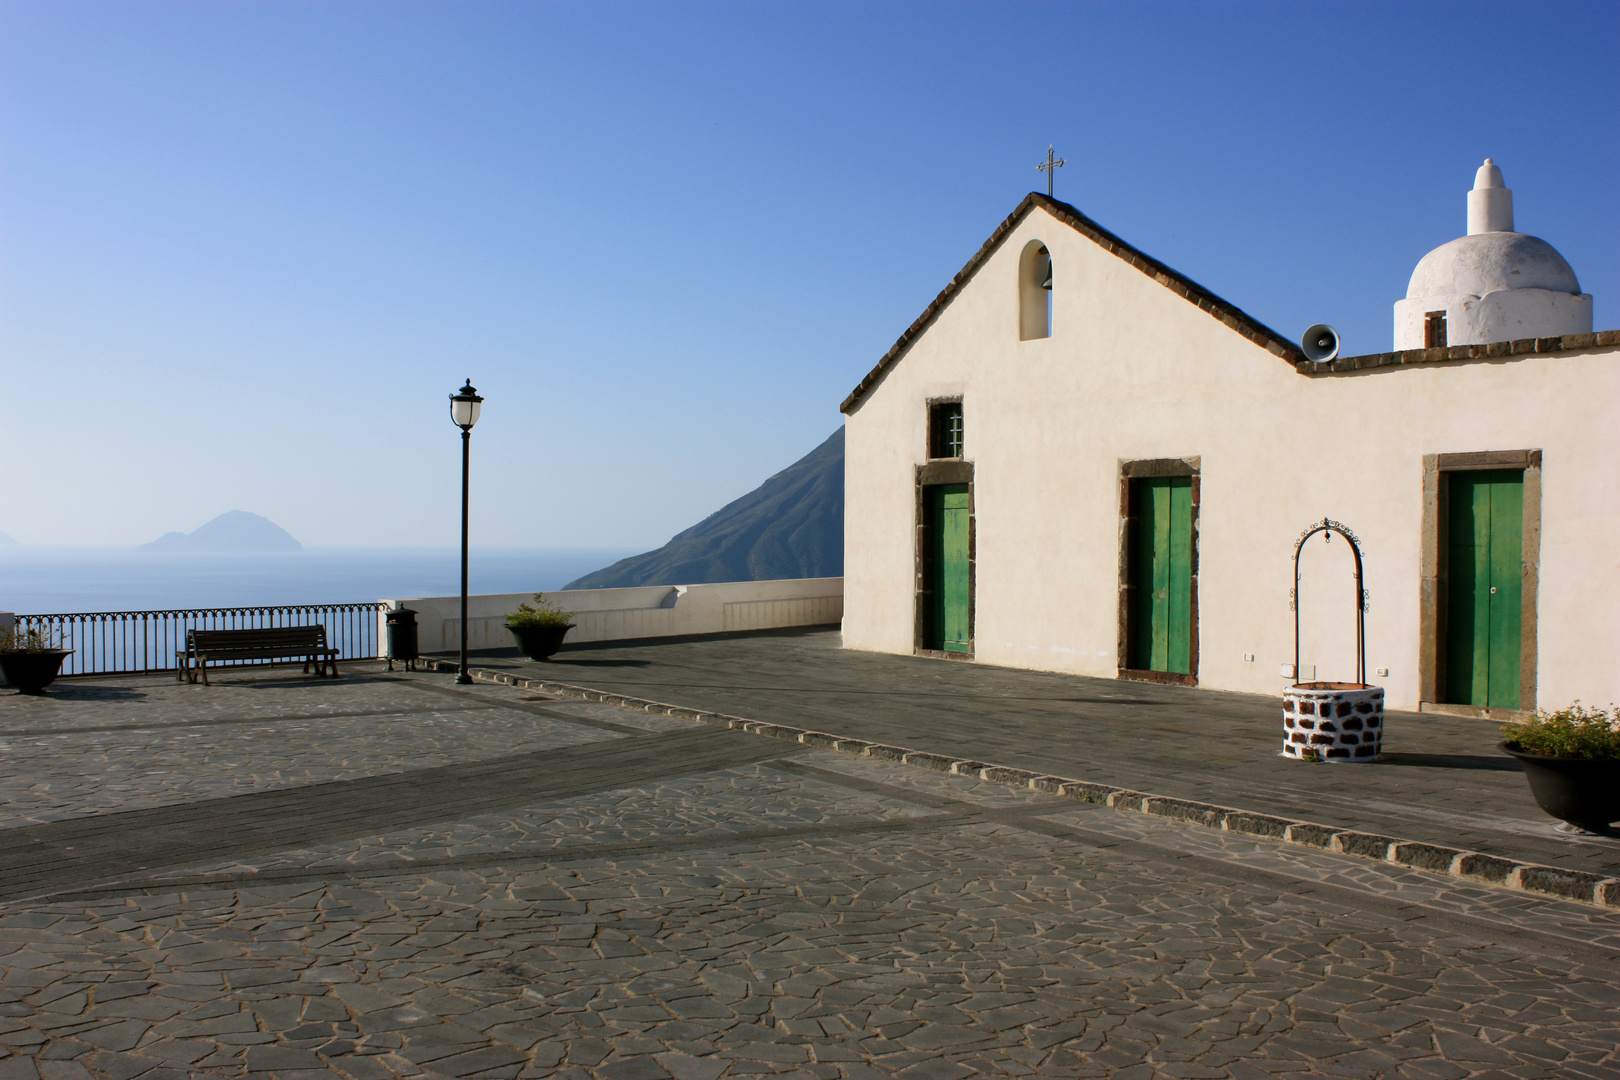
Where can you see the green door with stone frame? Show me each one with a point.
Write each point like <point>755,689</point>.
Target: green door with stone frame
<point>948,569</point>
<point>1159,559</point>
<point>1485,587</point>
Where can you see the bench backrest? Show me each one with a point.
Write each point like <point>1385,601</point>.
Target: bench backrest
<point>270,637</point>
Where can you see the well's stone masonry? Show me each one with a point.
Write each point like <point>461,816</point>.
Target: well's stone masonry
<point>1333,722</point>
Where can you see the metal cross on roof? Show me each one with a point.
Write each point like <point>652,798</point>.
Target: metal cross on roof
<point>1050,166</point>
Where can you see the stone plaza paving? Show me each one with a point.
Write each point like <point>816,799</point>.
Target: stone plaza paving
<point>1441,779</point>
<point>390,875</point>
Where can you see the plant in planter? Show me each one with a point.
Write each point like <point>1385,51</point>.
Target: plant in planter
<point>1572,759</point>
<point>539,627</point>
<point>30,659</point>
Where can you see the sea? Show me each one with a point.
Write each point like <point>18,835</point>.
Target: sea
<point>62,580</point>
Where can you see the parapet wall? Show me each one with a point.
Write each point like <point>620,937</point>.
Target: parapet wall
<point>644,612</point>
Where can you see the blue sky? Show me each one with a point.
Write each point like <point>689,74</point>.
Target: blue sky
<point>247,249</point>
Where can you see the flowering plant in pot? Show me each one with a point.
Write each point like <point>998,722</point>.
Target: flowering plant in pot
<point>30,659</point>
<point>539,627</point>
<point>1572,759</point>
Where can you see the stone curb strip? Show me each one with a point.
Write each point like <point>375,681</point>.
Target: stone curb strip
<point>1455,862</point>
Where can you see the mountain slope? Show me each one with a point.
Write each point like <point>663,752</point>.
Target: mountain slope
<point>235,530</point>
<point>791,526</point>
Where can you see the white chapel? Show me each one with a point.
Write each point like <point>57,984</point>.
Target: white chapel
<point>1077,459</point>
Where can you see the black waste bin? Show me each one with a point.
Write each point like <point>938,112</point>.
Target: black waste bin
<point>402,637</point>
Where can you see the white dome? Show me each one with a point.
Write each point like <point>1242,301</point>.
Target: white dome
<point>1493,284</point>
<point>1490,262</point>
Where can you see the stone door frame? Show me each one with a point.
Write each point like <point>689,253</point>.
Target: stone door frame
<point>937,472</point>
<point>1142,470</point>
<point>1432,579</point>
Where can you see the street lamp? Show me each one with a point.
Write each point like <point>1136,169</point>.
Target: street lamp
<point>464,405</point>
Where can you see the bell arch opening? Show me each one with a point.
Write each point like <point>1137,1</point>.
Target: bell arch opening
<point>1034,292</point>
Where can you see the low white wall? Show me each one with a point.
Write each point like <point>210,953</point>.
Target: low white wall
<point>617,614</point>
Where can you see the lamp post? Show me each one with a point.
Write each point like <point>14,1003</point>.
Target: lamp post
<point>464,405</point>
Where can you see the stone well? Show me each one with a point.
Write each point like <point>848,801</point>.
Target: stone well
<point>1333,721</point>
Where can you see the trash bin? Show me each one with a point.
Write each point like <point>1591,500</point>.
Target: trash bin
<point>402,637</point>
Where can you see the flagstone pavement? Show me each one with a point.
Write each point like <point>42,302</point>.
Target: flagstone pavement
<point>388,875</point>
<point>1441,779</point>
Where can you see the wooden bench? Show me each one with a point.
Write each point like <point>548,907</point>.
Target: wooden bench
<point>270,643</point>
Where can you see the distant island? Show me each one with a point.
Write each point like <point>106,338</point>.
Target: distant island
<point>791,526</point>
<point>6,541</point>
<point>233,531</point>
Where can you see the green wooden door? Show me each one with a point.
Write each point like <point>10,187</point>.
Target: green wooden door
<point>1484,591</point>
<point>1159,568</point>
<point>950,584</point>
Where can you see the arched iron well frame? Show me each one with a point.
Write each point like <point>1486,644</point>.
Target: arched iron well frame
<point>1329,527</point>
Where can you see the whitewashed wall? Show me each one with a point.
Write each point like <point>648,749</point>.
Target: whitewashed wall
<point>1133,371</point>
<point>618,614</point>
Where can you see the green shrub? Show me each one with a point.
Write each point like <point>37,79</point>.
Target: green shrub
<point>1575,732</point>
<point>31,640</point>
<point>540,613</point>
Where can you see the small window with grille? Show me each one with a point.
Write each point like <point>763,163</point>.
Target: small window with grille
<point>945,430</point>
<point>1434,330</point>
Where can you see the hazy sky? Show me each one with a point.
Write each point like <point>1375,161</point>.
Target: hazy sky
<point>248,249</point>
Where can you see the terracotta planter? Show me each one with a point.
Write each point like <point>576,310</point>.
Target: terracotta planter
<point>32,672</point>
<point>1325,721</point>
<point>1582,791</point>
<point>539,642</point>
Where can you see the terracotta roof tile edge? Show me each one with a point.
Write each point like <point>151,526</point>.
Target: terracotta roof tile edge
<point>1495,350</point>
<point>1228,314</point>
<point>1473,866</point>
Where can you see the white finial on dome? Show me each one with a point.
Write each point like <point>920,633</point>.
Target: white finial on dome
<point>1490,204</point>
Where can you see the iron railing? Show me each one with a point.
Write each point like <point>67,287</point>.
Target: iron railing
<point>121,642</point>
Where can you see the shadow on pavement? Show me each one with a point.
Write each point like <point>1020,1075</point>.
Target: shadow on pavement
<point>1452,761</point>
<point>91,693</point>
